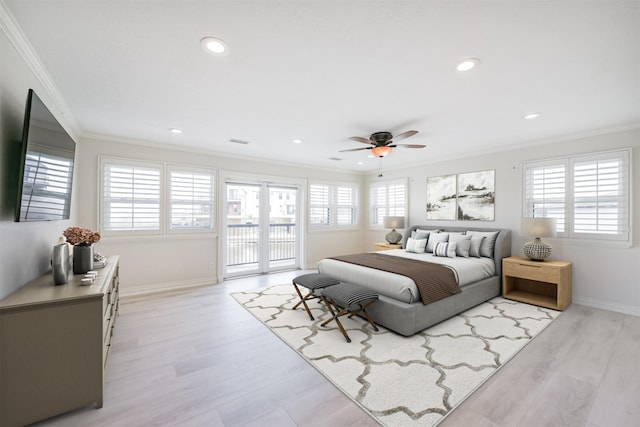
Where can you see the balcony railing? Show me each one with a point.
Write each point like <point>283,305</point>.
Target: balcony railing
<point>243,243</point>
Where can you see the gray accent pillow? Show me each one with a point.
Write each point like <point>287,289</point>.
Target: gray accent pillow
<point>420,234</point>
<point>462,247</point>
<point>489,242</point>
<point>434,238</point>
<point>463,243</point>
<point>474,247</point>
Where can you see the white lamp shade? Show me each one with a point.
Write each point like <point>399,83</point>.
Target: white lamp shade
<point>393,222</point>
<point>538,227</point>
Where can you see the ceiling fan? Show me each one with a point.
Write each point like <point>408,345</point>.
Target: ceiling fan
<point>383,142</point>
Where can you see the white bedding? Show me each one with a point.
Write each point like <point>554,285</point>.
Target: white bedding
<point>402,288</point>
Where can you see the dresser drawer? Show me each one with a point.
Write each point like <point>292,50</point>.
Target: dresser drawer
<point>532,272</point>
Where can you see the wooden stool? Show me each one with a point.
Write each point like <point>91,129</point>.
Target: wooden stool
<point>313,282</point>
<point>351,299</point>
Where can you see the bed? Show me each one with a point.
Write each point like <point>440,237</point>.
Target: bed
<point>400,307</point>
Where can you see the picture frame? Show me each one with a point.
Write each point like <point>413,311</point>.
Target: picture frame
<point>476,196</point>
<point>442,197</point>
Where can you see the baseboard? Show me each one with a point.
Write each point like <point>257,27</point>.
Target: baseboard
<point>153,288</point>
<point>620,308</point>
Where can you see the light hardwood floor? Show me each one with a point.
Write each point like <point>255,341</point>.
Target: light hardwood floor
<point>197,358</point>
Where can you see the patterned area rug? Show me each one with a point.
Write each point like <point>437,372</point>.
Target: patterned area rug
<point>402,381</point>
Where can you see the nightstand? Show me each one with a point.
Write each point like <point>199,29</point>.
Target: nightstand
<point>543,283</point>
<point>386,246</point>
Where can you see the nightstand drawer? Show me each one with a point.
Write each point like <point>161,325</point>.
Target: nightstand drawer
<point>533,272</point>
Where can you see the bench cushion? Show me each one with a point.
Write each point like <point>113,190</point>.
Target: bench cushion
<point>348,294</point>
<point>313,281</point>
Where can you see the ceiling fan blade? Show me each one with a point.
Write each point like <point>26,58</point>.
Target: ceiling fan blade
<point>411,145</point>
<point>404,135</point>
<point>355,149</point>
<point>361,139</point>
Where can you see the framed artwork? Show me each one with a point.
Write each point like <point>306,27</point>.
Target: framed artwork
<point>476,196</point>
<point>441,197</point>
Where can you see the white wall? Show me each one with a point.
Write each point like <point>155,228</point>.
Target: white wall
<point>25,247</point>
<point>605,277</point>
<point>151,263</point>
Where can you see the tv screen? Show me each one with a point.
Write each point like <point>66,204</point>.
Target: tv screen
<point>48,153</point>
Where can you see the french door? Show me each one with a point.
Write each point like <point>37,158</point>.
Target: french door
<point>261,227</point>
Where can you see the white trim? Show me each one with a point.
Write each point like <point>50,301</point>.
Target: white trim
<point>619,308</point>
<point>24,48</point>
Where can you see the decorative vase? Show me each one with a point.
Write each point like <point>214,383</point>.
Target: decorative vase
<point>60,263</point>
<point>82,258</point>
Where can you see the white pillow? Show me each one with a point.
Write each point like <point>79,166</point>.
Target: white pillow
<point>416,245</point>
<point>445,249</point>
<point>435,238</point>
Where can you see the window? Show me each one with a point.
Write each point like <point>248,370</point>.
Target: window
<point>131,197</point>
<point>333,205</point>
<point>387,199</point>
<point>155,198</point>
<point>588,194</point>
<point>192,202</point>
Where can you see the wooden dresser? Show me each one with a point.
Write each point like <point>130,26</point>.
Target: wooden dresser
<point>54,345</point>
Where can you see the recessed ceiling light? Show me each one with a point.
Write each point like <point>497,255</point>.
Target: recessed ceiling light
<point>297,141</point>
<point>361,163</point>
<point>175,130</point>
<point>467,64</point>
<point>371,156</point>
<point>531,116</point>
<point>214,46</point>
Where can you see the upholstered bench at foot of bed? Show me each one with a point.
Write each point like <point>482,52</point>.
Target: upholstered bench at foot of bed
<point>351,299</point>
<point>314,282</point>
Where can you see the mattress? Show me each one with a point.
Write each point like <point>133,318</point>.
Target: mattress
<point>402,288</point>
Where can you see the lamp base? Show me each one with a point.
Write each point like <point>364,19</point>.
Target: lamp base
<point>393,237</point>
<point>536,250</point>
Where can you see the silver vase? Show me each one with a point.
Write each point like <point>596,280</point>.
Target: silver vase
<point>60,264</point>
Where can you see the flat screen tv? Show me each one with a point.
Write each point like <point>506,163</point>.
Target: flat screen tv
<point>47,162</point>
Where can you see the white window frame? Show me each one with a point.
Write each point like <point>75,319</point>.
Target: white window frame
<point>165,202</point>
<point>211,199</point>
<point>332,205</point>
<point>568,201</point>
<point>396,207</point>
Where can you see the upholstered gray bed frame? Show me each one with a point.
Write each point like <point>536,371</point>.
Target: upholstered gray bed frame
<point>407,319</point>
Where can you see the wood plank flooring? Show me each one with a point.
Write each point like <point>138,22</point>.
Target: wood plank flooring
<point>197,358</point>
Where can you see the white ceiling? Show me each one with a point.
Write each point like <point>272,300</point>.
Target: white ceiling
<point>323,71</point>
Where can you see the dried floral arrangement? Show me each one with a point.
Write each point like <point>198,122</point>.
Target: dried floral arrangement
<point>80,235</point>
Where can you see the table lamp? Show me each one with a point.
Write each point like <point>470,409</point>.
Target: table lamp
<point>537,250</point>
<point>393,222</point>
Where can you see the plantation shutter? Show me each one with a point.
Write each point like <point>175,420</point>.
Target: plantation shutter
<point>588,194</point>
<point>545,191</point>
<point>319,205</point>
<point>191,199</point>
<point>346,205</point>
<point>131,197</point>
<point>333,205</point>
<point>387,199</point>
<point>601,196</point>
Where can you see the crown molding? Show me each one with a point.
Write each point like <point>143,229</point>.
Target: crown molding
<point>17,38</point>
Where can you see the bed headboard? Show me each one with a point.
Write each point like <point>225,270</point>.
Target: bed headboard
<point>503,241</point>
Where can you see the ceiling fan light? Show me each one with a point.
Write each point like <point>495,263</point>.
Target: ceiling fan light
<point>381,151</point>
